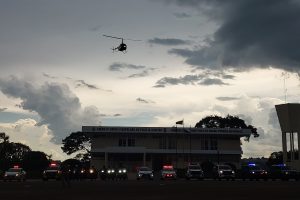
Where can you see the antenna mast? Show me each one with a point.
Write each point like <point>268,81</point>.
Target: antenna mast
<point>285,76</point>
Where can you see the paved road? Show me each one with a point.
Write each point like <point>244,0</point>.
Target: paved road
<point>154,190</point>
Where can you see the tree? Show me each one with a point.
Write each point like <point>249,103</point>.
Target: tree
<point>229,121</point>
<point>35,160</point>
<point>77,142</point>
<point>10,152</point>
<point>275,158</point>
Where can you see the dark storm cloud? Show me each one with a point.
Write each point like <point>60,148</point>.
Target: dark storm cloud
<point>144,100</point>
<point>144,73</point>
<point>168,41</point>
<point>121,66</point>
<point>82,83</point>
<point>212,81</point>
<point>227,98</point>
<point>206,78</point>
<point>252,33</point>
<point>49,76</point>
<point>185,80</point>
<point>2,109</point>
<point>57,106</point>
<point>117,115</point>
<point>181,15</point>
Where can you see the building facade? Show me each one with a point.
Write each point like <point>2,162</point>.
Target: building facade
<point>156,146</point>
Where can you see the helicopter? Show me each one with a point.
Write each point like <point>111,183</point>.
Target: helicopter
<point>122,47</point>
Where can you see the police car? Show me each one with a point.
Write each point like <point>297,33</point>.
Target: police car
<point>15,173</point>
<point>194,171</point>
<point>283,172</point>
<point>168,172</point>
<point>253,171</point>
<point>223,172</point>
<point>144,173</point>
<point>52,172</point>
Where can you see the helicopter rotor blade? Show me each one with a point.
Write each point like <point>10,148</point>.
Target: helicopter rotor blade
<point>132,40</point>
<point>112,37</point>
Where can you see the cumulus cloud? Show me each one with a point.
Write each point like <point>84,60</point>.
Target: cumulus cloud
<point>168,41</point>
<point>251,33</point>
<point>37,137</point>
<point>2,109</point>
<point>58,107</point>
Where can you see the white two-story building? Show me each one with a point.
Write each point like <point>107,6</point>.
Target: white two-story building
<point>155,146</point>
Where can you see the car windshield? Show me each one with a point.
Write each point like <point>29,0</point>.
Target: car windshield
<point>255,168</point>
<point>144,169</point>
<point>194,167</point>
<point>52,168</point>
<point>14,170</point>
<point>225,167</point>
<point>282,167</point>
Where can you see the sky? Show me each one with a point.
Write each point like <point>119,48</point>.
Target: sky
<point>195,58</point>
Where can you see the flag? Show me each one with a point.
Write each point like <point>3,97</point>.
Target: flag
<point>180,122</point>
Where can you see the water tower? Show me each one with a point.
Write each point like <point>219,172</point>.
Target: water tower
<point>289,119</point>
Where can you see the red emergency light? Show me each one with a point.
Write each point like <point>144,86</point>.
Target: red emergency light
<point>53,165</point>
<point>167,167</point>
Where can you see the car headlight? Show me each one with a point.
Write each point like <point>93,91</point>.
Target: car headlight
<point>151,175</point>
<point>120,171</point>
<point>124,170</point>
<point>109,171</point>
<point>233,172</point>
<point>17,174</point>
<point>221,172</point>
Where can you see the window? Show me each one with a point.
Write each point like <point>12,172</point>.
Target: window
<point>172,143</point>
<point>204,144</point>
<point>162,142</point>
<point>122,142</point>
<point>131,142</point>
<point>213,144</point>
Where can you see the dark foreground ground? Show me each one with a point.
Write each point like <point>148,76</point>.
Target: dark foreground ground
<point>143,190</point>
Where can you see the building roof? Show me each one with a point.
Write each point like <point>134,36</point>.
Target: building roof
<point>166,130</point>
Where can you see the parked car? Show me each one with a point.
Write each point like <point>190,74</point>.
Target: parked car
<point>92,173</point>
<point>51,173</point>
<point>111,174</point>
<point>168,172</point>
<point>144,173</point>
<point>253,171</point>
<point>121,174</point>
<point>15,173</point>
<point>283,172</point>
<point>194,171</point>
<point>223,172</point>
